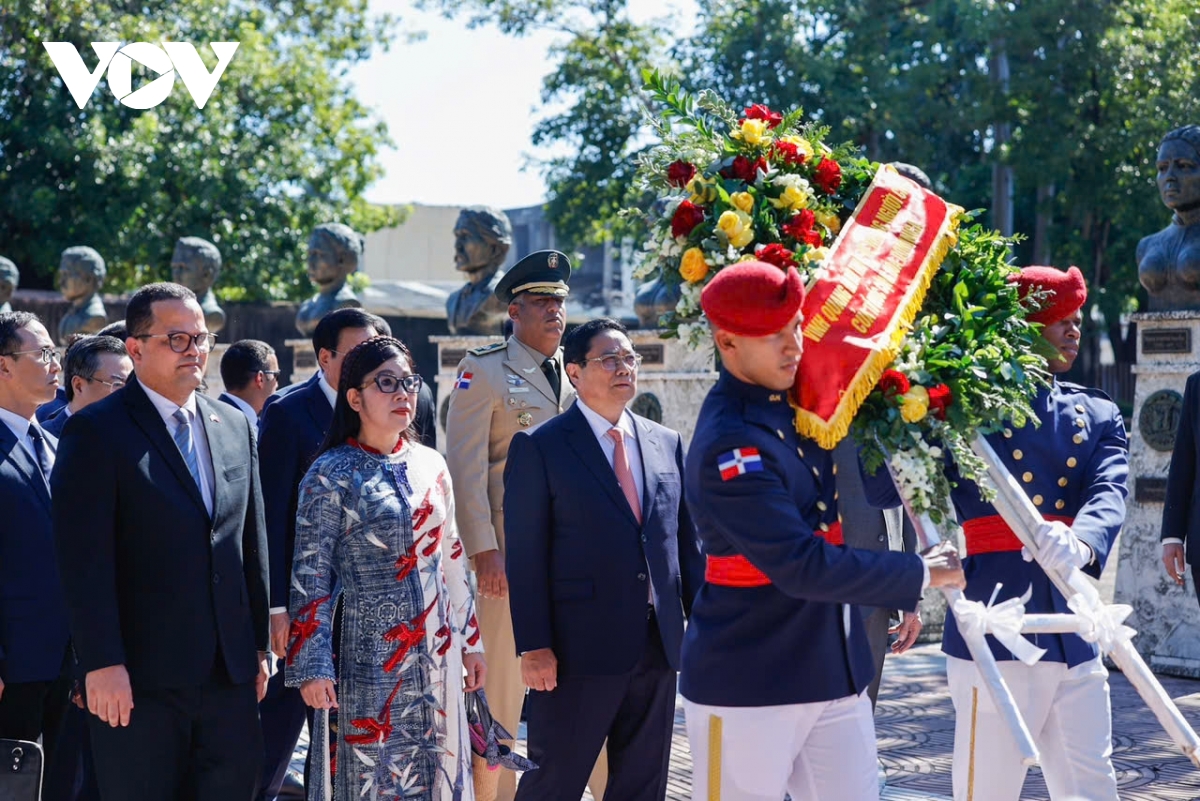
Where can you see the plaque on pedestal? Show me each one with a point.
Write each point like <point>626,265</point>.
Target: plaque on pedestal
<point>213,384</point>
<point>304,360</point>
<point>1164,614</point>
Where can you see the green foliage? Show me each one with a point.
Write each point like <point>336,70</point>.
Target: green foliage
<point>281,146</point>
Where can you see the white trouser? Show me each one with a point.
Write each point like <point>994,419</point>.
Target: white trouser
<point>1066,710</point>
<point>822,751</point>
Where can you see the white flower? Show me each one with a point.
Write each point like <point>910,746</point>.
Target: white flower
<point>786,179</point>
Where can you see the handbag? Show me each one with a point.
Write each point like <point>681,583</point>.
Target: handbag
<point>488,754</point>
<point>20,770</point>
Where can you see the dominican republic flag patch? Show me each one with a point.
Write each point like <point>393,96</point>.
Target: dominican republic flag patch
<point>464,381</point>
<point>739,461</point>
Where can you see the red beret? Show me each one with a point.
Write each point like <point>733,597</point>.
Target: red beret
<point>1065,292</point>
<point>752,298</point>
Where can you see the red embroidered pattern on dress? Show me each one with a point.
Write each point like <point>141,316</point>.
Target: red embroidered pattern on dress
<point>304,626</point>
<point>406,635</point>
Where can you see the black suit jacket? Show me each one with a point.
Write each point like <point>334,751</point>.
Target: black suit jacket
<point>577,559</point>
<point>33,615</point>
<point>54,424</point>
<point>293,428</point>
<point>1181,511</point>
<point>152,581</point>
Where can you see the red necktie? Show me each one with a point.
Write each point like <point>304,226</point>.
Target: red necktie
<point>624,474</point>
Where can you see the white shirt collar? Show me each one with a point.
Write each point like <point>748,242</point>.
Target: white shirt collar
<point>329,392</point>
<point>167,408</point>
<point>245,408</point>
<point>600,425</point>
<point>18,424</point>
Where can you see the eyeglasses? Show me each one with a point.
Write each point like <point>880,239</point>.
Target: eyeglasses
<point>631,360</point>
<point>181,342</point>
<point>48,352</point>
<point>271,373</point>
<point>113,385</point>
<point>390,384</point>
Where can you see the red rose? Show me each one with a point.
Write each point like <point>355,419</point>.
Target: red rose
<point>679,173</point>
<point>788,153</point>
<point>800,225</point>
<point>940,397</point>
<point>828,175</point>
<point>776,254</point>
<point>687,217</point>
<point>745,170</point>
<point>760,112</point>
<point>893,383</point>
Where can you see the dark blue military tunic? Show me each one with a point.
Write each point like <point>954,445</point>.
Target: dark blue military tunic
<point>759,490</point>
<point>1074,465</point>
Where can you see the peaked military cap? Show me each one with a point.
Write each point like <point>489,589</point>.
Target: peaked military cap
<point>546,272</point>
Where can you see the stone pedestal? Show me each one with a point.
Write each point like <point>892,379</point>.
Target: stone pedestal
<point>213,384</point>
<point>1165,615</point>
<point>671,384</point>
<point>304,360</point>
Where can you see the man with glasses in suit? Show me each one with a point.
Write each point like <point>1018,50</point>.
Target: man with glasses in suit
<point>250,371</point>
<point>163,552</point>
<point>94,368</point>
<point>34,663</point>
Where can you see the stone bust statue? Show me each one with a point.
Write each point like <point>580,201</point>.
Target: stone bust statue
<point>1169,261</point>
<point>196,264</point>
<point>9,279</point>
<point>482,237</point>
<point>334,251</point>
<point>81,273</point>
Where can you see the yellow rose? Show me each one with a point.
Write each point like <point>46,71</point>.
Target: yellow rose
<point>743,201</point>
<point>737,228</point>
<point>793,198</point>
<point>830,220</point>
<point>754,132</point>
<point>702,191</point>
<point>693,267</point>
<point>802,144</point>
<point>914,404</point>
<point>816,254</point>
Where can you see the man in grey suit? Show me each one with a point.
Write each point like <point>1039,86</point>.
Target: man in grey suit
<point>875,530</point>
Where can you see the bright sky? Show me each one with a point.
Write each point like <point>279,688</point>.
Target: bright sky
<point>461,106</point>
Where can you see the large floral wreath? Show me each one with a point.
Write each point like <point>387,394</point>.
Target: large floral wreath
<point>764,185</point>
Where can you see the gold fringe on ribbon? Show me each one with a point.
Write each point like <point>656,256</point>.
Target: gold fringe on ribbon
<point>828,433</point>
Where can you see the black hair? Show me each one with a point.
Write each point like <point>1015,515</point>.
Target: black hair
<point>83,359</point>
<point>139,314</point>
<point>116,329</point>
<point>578,341</point>
<point>359,361</point>
<point>329,329</point>
<point>11,324</point>
<point>244,360</point>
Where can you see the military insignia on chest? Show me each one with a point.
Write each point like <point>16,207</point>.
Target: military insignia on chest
<point>525,419</point>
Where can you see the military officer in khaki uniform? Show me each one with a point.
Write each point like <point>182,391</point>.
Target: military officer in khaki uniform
<point>502,389</point>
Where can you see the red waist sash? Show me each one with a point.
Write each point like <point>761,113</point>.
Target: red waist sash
<point>736,570</point>
<point>992,535</point>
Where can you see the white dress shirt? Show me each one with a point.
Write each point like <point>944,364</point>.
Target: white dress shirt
<point>166,409</point>
<point>327,389</point>
<point>600,428</point>
<point>20,428</point>
<point>245,408</point>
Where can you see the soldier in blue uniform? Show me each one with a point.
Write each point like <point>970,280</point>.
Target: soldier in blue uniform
<point>1074,467</point>
<point>775,662</point>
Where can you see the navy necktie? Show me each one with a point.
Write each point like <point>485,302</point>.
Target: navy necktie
<point>41,454</point>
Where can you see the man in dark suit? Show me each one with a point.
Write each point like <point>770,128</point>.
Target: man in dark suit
<point>871,529</point>
<point>163,551</point>
<point>293,428</point>
<point>603,563</point>
<point>34,668</point>
<point>1181,516</point>
<point>94,367</point>
<point>250,372</point>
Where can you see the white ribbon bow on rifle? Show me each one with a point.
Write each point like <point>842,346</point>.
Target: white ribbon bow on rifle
<point>1107,620</point>
<point>1003,621</point>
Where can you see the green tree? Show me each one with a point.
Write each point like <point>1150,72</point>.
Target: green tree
<point>281,145</point>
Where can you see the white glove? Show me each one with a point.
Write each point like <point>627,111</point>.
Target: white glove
<point>1059,549</point>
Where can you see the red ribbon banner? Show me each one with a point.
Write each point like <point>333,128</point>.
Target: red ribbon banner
<point>873,283</point>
